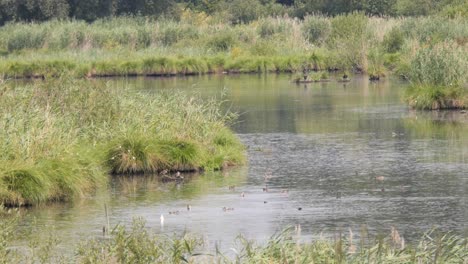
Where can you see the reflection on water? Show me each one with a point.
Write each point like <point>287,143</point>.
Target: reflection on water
<point>325,143</point>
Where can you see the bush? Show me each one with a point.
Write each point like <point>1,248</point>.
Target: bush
<point>26,38</point>
<point>444,65</point>
<point>222,41</point>
<point>348,40</point>
<point>273,26</point>
<point>393,41</point>
<point>263,48</point>
<point>243,11</point>
<point>316,29</point>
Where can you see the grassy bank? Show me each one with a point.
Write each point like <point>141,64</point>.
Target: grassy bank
<point>139,244</point>
<point>439,76</point>
<point>60,139</point>
<point>199,44</point>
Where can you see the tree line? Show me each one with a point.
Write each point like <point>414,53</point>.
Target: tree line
<point>237,11</point>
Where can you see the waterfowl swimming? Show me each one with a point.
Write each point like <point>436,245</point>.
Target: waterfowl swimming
<point>265,202</point>
<point>299,208</point>
<point>228,209</point>
<point>379,178</point>
<point>267,176</point>
<point>174,212</point>
<point>338,195</point>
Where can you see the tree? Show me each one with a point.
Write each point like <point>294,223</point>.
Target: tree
<point>91,10</point>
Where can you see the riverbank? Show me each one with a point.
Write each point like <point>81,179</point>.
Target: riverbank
<point>138,245</point>
<point>131,46</point>
<point>61,138</point>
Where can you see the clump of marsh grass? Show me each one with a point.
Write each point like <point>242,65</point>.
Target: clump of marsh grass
<point>59,138</point>
<point>138,243</point>
<point>132,155</point>
<point>438,75</point>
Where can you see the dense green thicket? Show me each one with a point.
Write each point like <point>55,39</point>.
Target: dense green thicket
<point>60,139</point>
<point>236,11</point>
<point>140,244</point>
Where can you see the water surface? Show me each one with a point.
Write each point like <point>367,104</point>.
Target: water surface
<point>320,147</point>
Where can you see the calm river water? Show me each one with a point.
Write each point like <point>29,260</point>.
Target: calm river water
<point>324,143</point>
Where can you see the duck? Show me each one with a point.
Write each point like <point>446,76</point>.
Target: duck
<point>379,178</point>
<point>174,212</point>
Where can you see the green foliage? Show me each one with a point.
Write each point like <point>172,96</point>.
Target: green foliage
<point>137,243</point>
<point>348,38</point>
<point>316,29</point>
<point>269,26</point>
<point>181,154</point>
<point>441,65</point>
<point>60,138</point>
<point>455,10</point>
<point>414,7</point>
<point>243,11</point>
<point>222,41</point>
<point>436,29</point>
<point>438,74</point>
<point>237,11</point>
<point>393,40</point>
<point>131,156</point>
<point>429,97</point>
<point>263,48</point>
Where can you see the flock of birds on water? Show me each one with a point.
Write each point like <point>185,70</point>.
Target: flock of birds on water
<point>266,177</point>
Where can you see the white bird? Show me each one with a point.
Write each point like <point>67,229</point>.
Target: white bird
<point>162,219</point>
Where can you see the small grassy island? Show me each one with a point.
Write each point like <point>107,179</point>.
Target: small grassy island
<point>61,138</point>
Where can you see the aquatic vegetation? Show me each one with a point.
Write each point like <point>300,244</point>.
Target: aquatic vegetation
<point>61,137</point>
<point>127,46</point>
<point>138,244</point>
<point>353,42</point>
<point>438,75</point>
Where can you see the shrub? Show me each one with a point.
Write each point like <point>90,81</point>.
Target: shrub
<point>445,65</point>
<point>243,11</point>
<point>393,41</point>
<point>222,41</point>
<point>263,48</point>
<point>316,29</point>
<point>273,26</point>
<point>26,38</point>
